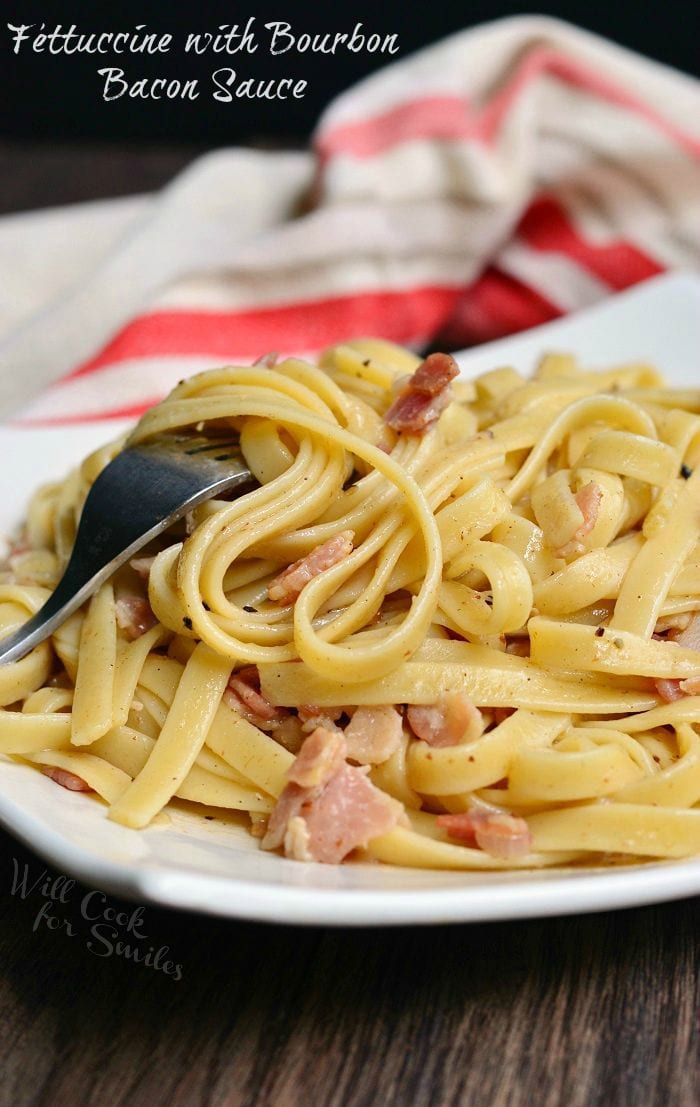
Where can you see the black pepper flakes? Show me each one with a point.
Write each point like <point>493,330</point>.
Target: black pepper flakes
<point>600,631</point>
<point>187,622</point>
<point>249,609</point>
<point>686,471</point>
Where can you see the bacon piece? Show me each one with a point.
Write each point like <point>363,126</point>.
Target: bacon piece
<point>288,806</point>
<point>309,711</point>
<point>267,360</point>
<point>258,824</point>
<point>296,840</point>
<point>669,690</point>
<point>349,812</point>
<point>312,716</point>
<point>424,395</point>
<point>66,779</point>
<point>321,756</point>
<point>588,499</point>
<point>434,374</point>
<point>142,566</point>
<point>452,719</point>
<point>415,412</point>
<point>495,832</point>
<point>134,614</point>
<point>243,695</point>
<point>286,587</point>
<point>373,734</point>
<point>17,545</point>
<point>689,637</point>
<point>288,732</point>
<point>328,808</point>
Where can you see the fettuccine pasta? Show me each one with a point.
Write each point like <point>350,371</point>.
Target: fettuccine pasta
<point>454,624</point>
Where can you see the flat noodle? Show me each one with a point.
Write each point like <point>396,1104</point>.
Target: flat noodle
<point>521,562</point>
<point>193,707</point>
<point>97,660</point>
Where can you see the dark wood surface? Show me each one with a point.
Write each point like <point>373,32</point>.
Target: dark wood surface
<point>593,1010</point>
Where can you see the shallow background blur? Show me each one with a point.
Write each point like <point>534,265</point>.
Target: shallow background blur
<point>56,129</point>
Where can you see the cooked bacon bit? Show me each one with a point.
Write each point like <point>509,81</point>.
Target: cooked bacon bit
<point>312,716</point>
<point>373,734</point>
<point>320,757</point>
<point>385,439</point>
<point>434,374</point>
<point>424,395</point>
<point>669,690</point>
<point>296,840</point>
<point>308,711</point>
<point>334,811</point>
<point>243,695</point>
<point>142,566</point>
<point>500,714</point>
<point>17,546</point>
<point>134,615</point>
<point>267,360</point>
<point>288,806</point>
<point>689,637</point>
<point>320,720</point>
<point>17,558</point>
<point>415,412</point>
<point>588,499</point>
<point>286,587</point>
<point>258,824</point>
<point>349,812</point>
<point>288,732</point>
<point>449,721</point>
<point>495,832</point>
<point>66,780</point>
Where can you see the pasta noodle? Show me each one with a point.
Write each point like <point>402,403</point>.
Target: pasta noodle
<point>455,624</point>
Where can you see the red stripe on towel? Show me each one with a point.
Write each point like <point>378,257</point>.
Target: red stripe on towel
<point>407,317</point>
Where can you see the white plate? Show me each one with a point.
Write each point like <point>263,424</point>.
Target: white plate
<point>216,867</point>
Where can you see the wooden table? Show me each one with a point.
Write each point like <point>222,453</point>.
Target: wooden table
<point>595,1010</point>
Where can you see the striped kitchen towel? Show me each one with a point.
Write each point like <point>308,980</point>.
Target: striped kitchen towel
<point>493,181</point>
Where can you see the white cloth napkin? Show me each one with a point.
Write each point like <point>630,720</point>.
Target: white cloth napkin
<point>502,177</point>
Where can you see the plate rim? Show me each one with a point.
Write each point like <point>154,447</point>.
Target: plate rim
<point>536,893</point>
<point>533,893</point>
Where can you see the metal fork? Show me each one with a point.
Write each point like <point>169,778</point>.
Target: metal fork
<point>136,497</point>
